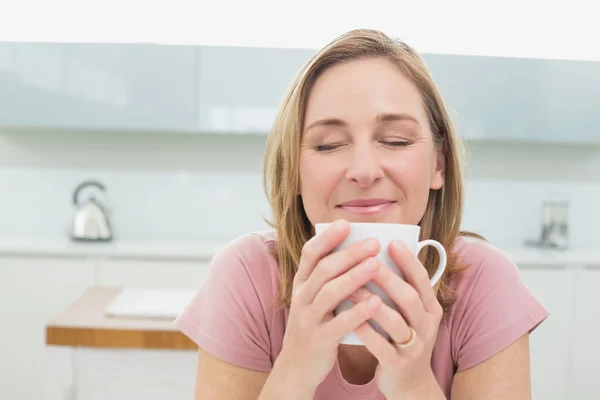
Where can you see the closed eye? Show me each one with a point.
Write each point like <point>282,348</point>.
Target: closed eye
<point>396,143</point>
<point>327,147</point>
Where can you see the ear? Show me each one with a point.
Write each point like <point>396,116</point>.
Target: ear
<point>438,169</point>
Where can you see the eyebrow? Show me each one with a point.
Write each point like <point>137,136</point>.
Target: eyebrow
<point>387,117</point>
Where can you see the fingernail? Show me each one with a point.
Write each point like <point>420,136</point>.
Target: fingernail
<point>374,302</point>
<point>339,225</point>
<point>370,265</point>
<point>371,244</point>
<point>398,245</point>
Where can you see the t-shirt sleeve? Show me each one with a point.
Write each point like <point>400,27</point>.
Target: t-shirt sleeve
<point>495,309</point>
<point>226,317</point>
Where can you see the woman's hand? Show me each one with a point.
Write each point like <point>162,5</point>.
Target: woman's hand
<point>405,373</point>
<point>323,281</point>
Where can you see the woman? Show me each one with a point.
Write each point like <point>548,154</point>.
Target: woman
<point>363,120</point>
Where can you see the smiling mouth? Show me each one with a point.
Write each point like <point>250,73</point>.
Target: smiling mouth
<point>367,206</point>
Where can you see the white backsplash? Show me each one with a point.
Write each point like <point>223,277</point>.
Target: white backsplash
<point>168,187</point>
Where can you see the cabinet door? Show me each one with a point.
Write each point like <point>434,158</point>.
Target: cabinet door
<point>523,99</point>
<point>96,86</point>
<point>124,374</point>
<point>34,291</point>
<point>240,88</point>
<point>570,100</point>
<point>550,342</point>
<point>585,334</point>
<point>495,98</point>
<point>151,274</point>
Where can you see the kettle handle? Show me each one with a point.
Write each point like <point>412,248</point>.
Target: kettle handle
<point>84,185</point>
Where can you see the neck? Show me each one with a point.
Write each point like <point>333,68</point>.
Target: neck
<point>357,364</point>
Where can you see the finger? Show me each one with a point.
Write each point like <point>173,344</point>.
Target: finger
<point>319,246</point>
<point>403,295</point>
<point>350,319</point>
<point>359,295</point>
<point>414,272</point>
<point>384,351</point>
<point>336,264</point>
<point>392,323</point>
<point>340,288</point>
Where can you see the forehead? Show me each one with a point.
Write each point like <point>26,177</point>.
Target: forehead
<point>359,90</point>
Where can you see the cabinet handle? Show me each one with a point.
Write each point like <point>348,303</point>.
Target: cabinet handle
<point>69,393</point>
<point>541,266</point>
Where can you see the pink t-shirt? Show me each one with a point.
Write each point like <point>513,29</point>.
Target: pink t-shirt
<point>234,315</point>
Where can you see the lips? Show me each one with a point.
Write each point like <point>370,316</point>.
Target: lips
<point>367,206</point>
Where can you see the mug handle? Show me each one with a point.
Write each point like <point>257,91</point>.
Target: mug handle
<point>441,251</point>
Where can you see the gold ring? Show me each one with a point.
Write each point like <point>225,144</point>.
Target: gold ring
<point>409,342</point>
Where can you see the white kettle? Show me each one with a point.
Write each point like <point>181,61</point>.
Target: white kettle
<point>90,222</point>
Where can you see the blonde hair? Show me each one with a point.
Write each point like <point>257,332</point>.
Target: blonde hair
<point>442,218</point>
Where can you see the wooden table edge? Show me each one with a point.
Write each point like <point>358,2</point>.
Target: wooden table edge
<point>118,338</point>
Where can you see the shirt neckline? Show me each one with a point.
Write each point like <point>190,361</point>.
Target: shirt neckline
<point>360,390</point>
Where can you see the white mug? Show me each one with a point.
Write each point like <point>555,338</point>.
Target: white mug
<point>385,234</point>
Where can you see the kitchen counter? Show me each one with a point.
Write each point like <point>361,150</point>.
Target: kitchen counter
<point>83,324</point>
<point>188,251</point>
<point>531,257</point>
<point>204,251</point>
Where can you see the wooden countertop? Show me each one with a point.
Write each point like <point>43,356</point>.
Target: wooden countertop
<point>84,324</point>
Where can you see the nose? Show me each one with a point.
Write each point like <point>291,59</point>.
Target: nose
<point>364,168</point>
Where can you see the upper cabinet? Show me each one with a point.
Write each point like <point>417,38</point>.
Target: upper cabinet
<point>215,89</point>
<point>570,100</point>
<point>97,86</point>
<point>488,97</point>
<point>240,88</point>
<point>502,98</point>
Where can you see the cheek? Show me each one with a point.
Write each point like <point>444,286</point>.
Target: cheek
<point>412,175</point>
<point>316,175</point>
<point>412,178</point>
<point>319,177</point>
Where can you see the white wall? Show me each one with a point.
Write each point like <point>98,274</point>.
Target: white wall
<point>193,187</point>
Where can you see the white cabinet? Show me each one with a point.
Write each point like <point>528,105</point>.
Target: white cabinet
<point>117,87</point>
<point>489,97</point>
<point>101,374</point>
<point>585,336</point>
<point>135,374</point>
<point>240,88</point>
<point>569,101</point>
<point>220,89</point>
<point>565,349</point>
<point>510,98</point>
<point>152,274</point>
<point>34,290</point>
<point>551,342</point>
